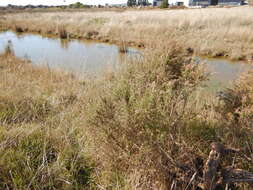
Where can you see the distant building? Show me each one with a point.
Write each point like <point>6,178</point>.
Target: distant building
<point>157,3</point>
<point>119,5</point>
<point>230,2</point>
<point>200,3</point>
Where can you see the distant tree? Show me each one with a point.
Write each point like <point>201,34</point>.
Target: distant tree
<point>164,4</point>
<point>143,2</point>
<point>77,5</point>
<point>131,3</point>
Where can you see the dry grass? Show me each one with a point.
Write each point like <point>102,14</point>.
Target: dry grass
<point>213,31</point>
<point>139,128</point>
<point>42,146</point>
<point>152,131</point>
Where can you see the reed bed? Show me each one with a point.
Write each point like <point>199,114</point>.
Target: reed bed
<point>214,32</point>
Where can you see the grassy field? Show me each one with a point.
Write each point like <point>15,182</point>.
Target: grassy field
<point>213,32</point>
<point>141,128</point>
<point>144,127</point>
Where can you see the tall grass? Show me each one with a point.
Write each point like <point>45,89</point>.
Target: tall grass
<point>141,116</point>
<point>62,32</point>
<point>213,31</point>
<point>153,134</point>
<point>139,128</point>
<point>41,146</point>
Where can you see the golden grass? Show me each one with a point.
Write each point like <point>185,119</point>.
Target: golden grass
<point>40,122</point>
<point>213,31</point>
<point>59,131</point>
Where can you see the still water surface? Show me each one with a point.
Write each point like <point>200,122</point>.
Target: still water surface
<point>74,55</point>
<point>223,73</point>
<point>92,57</point>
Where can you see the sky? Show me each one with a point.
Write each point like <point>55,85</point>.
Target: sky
<point>58,2</point>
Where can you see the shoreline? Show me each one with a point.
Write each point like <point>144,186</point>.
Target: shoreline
<point>152,34</point>
<point>118,43</point>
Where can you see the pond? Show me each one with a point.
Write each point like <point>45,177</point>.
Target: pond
<point>71,55</point>
<point>91,57</point>
<point>223,73</point>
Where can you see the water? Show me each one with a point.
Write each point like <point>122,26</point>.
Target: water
<point>90,57</point>
<point>224,73</point>
<point>74,55</point>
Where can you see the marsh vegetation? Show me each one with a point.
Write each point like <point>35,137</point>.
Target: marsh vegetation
<point>213,32</point>
<point>143,127</point>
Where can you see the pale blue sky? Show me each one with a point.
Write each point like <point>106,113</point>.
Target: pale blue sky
<point>58,2</point>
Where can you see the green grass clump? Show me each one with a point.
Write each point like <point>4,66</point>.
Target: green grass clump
<point>36,160</point>
<point>203,132</point>
<point>24,110</point>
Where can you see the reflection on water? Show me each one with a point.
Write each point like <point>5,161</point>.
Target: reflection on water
<point>64,43</point>
<point>74,55</point>
<point>224,72</point>
<point>90,57</point>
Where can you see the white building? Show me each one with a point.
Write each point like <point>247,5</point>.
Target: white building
<point>157,3</point>
<point>172,2</point>
<point>200,3</point>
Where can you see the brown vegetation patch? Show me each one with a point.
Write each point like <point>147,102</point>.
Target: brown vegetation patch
<point>142,126</point>
<point>213,31</point>
<point>24,110</point>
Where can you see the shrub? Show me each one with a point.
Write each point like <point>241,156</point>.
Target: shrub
<point>237,102</point>
<point>141,116</point>
<point>164,4</point>
<point>236,113</point>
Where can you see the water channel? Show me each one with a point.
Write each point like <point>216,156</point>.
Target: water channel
<point>92,57</point>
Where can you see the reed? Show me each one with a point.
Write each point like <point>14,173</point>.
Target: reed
<point>9,49</point>
<point>212,31</point>
<point>63,34</point>
<point>122,47</point>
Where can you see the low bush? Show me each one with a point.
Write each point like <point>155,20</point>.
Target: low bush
<point>153,134</point>
<point>236,111</point>
<point>143,115</point>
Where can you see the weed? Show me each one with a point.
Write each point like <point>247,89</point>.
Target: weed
<point>122,47</point>
<point>136,115</point>
<point>18,29</point>
<point>9,49</point>
<point>63,34</point>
